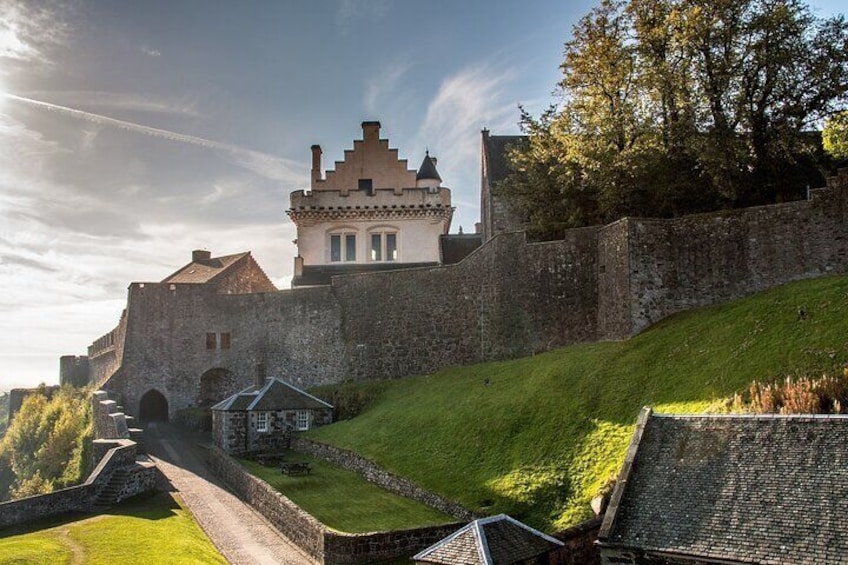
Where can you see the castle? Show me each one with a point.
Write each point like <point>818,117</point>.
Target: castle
<point>199,335</point>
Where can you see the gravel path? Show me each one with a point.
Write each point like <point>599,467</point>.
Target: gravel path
<point>241,535</point>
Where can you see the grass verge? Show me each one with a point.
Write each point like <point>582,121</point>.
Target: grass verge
<point>344,501</point>
<point>539,437</point>
<point>151,530</point>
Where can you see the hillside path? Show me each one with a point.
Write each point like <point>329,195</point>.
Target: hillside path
<point>241,535</point>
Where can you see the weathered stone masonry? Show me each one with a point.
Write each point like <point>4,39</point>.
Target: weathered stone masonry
<point>507,299</point>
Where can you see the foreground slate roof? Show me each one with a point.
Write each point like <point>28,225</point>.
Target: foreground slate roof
<point>201,272</point>
<point>741,488</point>
<point>274,395</point>
<point>497,540</point>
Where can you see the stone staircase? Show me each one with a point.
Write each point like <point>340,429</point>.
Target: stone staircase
<point>137,435</point>
<point>108,495</point>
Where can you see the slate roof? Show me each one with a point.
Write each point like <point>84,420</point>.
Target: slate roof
<point>427,169</point>
<point>274,395</point>
<point>497,540</point>
<point>455,247</point>
<point>322,274</point>
<point>496,151</point>
<point>741,488</point>
<point>200,272</point>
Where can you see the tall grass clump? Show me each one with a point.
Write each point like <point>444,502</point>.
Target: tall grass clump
<point>827,394</point>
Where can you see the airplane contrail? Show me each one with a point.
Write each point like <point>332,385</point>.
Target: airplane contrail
<point>262,163</point>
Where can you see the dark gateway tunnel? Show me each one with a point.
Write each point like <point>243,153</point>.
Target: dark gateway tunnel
<point>153,407</point>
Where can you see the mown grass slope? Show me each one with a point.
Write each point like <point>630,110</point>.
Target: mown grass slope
<point>548,432</point>
<point>150,530</point>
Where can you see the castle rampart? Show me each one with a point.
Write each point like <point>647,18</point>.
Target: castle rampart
<point>508,298</point>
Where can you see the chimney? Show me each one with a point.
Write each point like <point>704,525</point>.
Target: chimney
<point>371,131</point>
<point>316,164</point>
<point>260,375</point>
<point>200,255</point>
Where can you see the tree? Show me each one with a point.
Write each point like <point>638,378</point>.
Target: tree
<point>835,136</point>
<point>677,106</point>
<point>46,445</point>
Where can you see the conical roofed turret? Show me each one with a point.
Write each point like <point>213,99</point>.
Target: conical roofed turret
<point>428,171</point>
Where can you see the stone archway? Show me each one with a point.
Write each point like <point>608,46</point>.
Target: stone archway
<point>153,407</point>
<point>216,385</point>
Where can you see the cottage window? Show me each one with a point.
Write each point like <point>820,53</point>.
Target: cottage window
<point>384,246</point>
<point>211,341</point>
<point>302,420</point>
<point>225,340</point>
<point>261,421</point>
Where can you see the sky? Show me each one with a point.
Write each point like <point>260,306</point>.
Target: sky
<point>134,132</point>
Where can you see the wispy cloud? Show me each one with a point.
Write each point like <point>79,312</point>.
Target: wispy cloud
<point>28,31</point>
<point>466,102</point>
<point>150,52</point>
<point>263,164</point>
<point>349,11</point>
<point>384,85</point>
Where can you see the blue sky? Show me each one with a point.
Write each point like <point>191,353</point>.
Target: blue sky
<point>134,132</point>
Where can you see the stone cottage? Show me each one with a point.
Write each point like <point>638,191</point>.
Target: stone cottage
<point>730,489</point>
<point>496,540</point>
<point>262,417</point>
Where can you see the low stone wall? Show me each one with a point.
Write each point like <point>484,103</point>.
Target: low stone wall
<point>22,510</point>
<point>379,476</point>
<point>72,499</point>
<point>353,549</point>
<point>297,525</point>
<point>326,546</point>
<point>580,547</point>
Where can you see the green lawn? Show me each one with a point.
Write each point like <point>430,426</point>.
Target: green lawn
<point>344,501</point>
<point>149,531</point>
<point>542,438</point>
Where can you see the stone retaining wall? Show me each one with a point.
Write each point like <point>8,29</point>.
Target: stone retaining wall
<point>297,525</point>
<point>325,545</point>
<point>375,474</point>
<point>580,547</point>
<point>353,549</point>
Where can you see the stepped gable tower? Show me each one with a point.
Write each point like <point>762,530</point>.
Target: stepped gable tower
<point>370,213</point>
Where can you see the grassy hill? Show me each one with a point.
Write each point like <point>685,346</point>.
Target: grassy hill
<point>548,432</point>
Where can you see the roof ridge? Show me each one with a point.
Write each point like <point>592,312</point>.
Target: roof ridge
<point>482,543</point>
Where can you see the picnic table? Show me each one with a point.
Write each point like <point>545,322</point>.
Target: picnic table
<point>295,468</point>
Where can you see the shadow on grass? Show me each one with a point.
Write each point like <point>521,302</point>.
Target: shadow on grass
<point>150,506</point>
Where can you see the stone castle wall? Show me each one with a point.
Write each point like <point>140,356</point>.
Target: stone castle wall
<point>508,298</point>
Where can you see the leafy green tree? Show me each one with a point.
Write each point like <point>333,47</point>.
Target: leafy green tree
<point>835,136</point>
<point>46,445</point>
<point>677,106</point>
